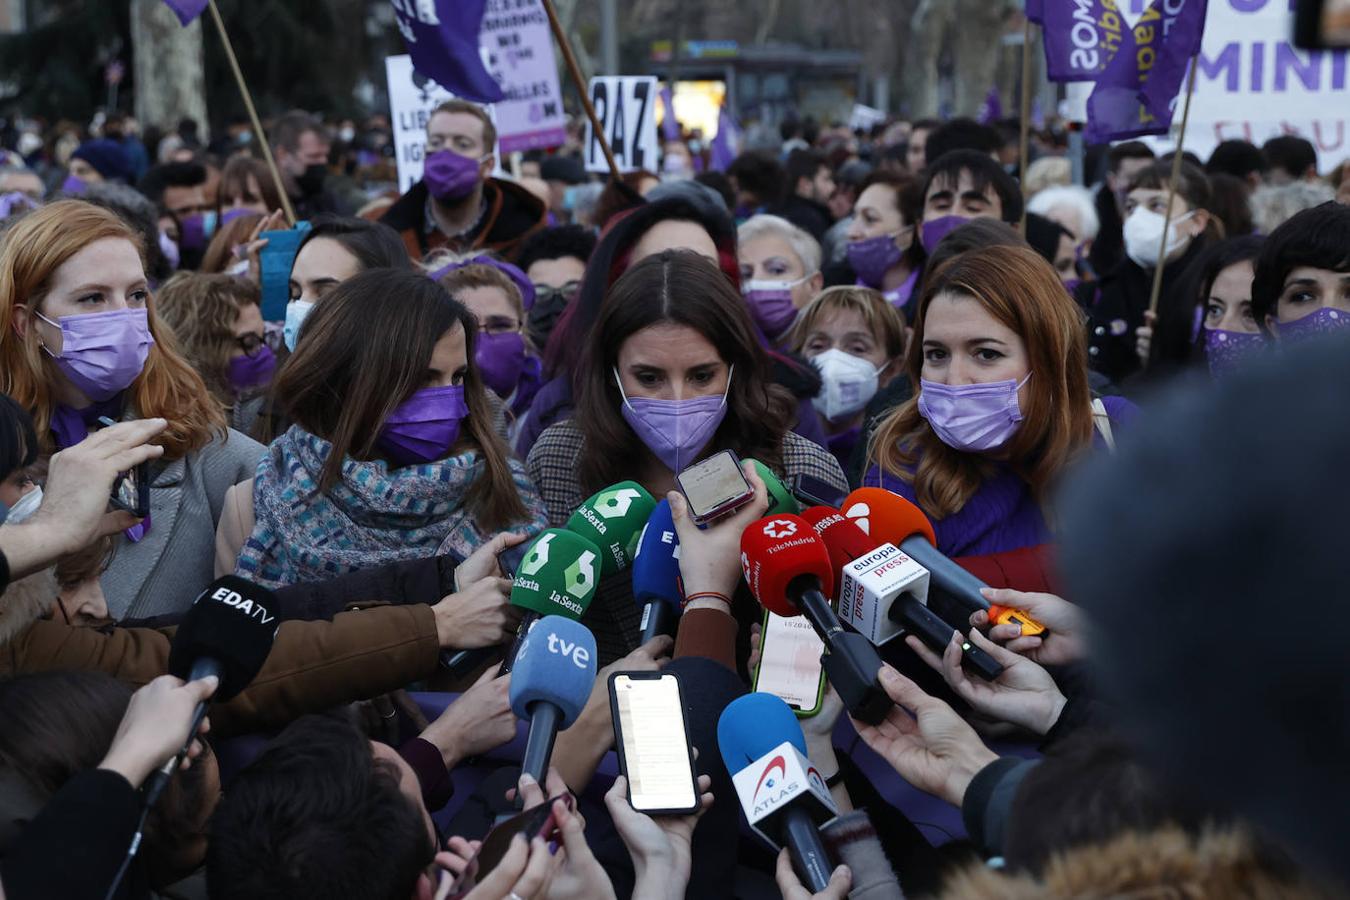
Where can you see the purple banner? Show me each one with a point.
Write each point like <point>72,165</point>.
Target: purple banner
<point>726,144</point>
<point>442,39</point>
<point>186,10</point>
<point>1182,28</point>
<point>670,126</point>
<point>1081,36</point>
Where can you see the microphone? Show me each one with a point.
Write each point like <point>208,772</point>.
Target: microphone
<point>782,795</point>
<point>557,577</point>
<point>613,520</point>
<point>657,587</point>
<point>553,677</point>
<point>884,592</point>
<point>781,500</point>
<point>789,572</point>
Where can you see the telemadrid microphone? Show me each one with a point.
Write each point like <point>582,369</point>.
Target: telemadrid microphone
<point>551,682</point>
<point>613,520</point>
<point>557,577</point>
<point>789,572</point>
<point>883,592</point>
<point>784,799</point>
<point>656,574</point>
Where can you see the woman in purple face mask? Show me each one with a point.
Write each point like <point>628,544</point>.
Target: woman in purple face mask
<point>1301,288</point>
<point>392,455</point>
<point>220,330</point>
<point>1003,408</point>
<point>884,248</point>
<point>780,272</point>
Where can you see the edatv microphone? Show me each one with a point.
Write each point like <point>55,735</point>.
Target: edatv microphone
<point>656,574</point>
<point>789,572</point>
<point>557,577</point>
<point>883,592</point>
<point>613,519</point>
<point>783,797</point>
<point>552,681</point>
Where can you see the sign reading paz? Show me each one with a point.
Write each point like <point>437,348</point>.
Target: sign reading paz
<point>626,105</point>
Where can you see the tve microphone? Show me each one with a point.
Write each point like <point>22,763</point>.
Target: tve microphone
<point>789,572</point>
<point>557,577</point>
<point>613,519</point>
<point>889,517</point>
<point>883,592</point>
<point>780,498</point>
<point>552,681</point>
<point>656,574</point>
<point>784,798</point>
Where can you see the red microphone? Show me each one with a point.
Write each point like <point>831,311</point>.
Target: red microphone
<point>789,570</point>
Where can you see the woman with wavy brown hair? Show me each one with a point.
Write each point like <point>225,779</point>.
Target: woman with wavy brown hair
<point>1000,357</point>
<point>81,342</point>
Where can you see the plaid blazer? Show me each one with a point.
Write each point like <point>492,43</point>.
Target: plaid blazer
<point>613,615</point>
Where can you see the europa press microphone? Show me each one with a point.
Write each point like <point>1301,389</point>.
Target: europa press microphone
<point>789,572</point>
<point>656,574</point>
<point>784,799</point>
<point>884,593</point>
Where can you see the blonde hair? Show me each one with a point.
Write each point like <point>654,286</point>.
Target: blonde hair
<point>1048,171</point>
<point>202,310</point>
<point>886,323</point>
<point>38,244</point>
<point>478,275</point>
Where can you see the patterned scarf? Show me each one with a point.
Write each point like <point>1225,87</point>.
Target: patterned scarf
<point>373,515</point>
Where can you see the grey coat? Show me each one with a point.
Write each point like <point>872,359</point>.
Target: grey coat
<point>164,572</point>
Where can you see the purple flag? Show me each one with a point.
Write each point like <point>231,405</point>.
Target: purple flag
<point>442,39</point>
<point>1081,36</point>
<point>1182,26</point>
<point>726,144</point>
<point>186,10</point>
<point>991,110</point>
<point>670,126</point>
<point>1035,10</point>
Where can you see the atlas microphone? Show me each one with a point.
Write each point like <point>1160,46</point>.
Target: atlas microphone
<point>784,799</point>
<point>789,572</point>
<point>656,574</point>
<point>551,682</point>
<point>883,592</point>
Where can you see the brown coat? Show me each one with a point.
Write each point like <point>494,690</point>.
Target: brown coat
<point>313,666</point>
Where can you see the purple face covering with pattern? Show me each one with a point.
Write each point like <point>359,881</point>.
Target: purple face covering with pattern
<point>424,427</point>
<point>1320,321</point>
<point>1228,351</point>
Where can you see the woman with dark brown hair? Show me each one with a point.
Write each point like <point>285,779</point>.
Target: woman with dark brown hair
<point>392,455</point>
<point>999,354</point>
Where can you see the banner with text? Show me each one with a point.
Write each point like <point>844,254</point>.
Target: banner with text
<point>626,107</point>
<point>412,97</point>
<point>519,49</point>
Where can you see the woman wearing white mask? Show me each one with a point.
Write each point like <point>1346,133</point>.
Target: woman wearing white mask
<point>780,272</point>
<point>1118,303</point>
<point>856,340</point>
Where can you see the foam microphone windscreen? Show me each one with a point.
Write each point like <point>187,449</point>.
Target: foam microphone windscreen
<point>556,665</point>
<point>612,519</point>
<point>558,575</point>
<point>656,568</point>
<point>887,517</point>
<point>752,725</point>
<point>775,551</point>
<point>843,538</point>
<point>781,499</point>
<point>232,622</point>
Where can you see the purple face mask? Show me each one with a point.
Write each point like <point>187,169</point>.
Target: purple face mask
<point>251,371</point>
<point>423,428</point>
<point>102,353</point>
<point>169,249</point>
<point>972,417</point>
<point>500,359</point>
<point>1320,321</point>
<point>450,176</point>
<point>73,186</point>
<point>871,258</point>
<point>1228,351</point>
<point>936,230</point>
<point>674,430</point>
<point>192,232</point>
<point>771,305</point>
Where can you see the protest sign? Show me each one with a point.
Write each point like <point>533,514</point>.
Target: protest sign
<point>412,98</point>
<point>626,107</point>
<point>519,49</point>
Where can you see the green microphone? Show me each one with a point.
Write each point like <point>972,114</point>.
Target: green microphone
<point>781,501</point>
<point>613,520</point>
<point>557,577</point>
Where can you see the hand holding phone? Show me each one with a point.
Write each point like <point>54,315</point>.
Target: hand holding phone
<point>715,487</point>
<point>789,663</point>
<point>652,737</point>
<point>536,822</point>
<point>131,489</point>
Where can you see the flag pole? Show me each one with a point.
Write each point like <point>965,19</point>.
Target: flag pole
<point>1171,191</point>
<point>597,127</point>
<point>1025,149</point>
<point>253,114</point>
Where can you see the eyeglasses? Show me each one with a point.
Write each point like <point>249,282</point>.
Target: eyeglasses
<point>544,293</point>
<point>250,343</point>
<point>498,325</point>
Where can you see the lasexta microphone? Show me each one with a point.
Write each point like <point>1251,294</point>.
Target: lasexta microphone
<point>780,498</point>
<point>789,572</point>
<point>656,574</point>
<point>783,796</point>
<point>883,592</point>
<point>551,682</point>
<point>557,577</point>
<point>613,519</point>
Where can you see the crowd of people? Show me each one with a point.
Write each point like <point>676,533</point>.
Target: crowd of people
<point>458,367</point>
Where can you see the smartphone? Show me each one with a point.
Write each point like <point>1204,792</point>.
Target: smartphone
<point>789,663</point>
<point>131,489</point>
<point>537,821</point>
<point>814,492</point>
<point>511,558</point>
<point>715,487</point>
<point>274,265</point>
<point>652,735</point>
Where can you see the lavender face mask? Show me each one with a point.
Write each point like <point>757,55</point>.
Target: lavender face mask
<point>424,427</point>
<point>674,430</point>
<point>972,417</point>
<point>251,371</point>
<point>102,353</point>
<point>871,258</point>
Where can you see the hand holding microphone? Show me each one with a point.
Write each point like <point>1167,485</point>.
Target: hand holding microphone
<point>550,685</point>
<point>155,726</point>
<point>1063,642</point>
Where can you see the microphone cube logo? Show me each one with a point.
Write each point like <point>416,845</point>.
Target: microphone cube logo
<point>616,503</point>
<point>579,577</point>
<point>861,514</point>
<point>538,555</point>
<point>767,779</point>
<point>779,528</point>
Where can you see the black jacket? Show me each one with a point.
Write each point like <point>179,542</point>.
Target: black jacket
<point>1108,249</point>
<point>512,214</point>
<point>809,215</point>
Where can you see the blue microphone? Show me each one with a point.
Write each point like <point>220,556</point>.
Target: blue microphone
<point>550,684</point>
<point>782,795</point>
<point>656,574</point>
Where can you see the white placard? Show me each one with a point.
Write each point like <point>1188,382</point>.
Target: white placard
<point>626,106</point>
<point>412,98</point>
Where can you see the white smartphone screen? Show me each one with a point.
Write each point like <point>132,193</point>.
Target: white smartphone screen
<point>655,746</point>
<point>789,665</point>
<point>713,483</point>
